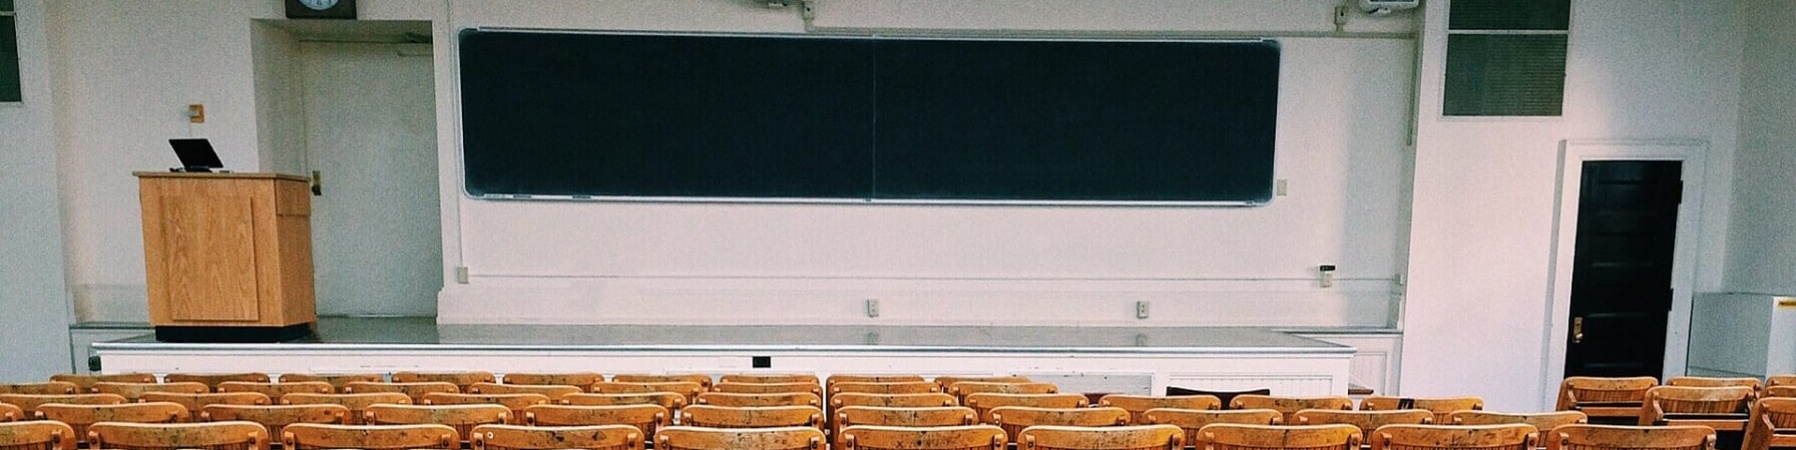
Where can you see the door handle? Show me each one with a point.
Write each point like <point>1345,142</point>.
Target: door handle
<point>317,183</point>
<point>1577,330</point>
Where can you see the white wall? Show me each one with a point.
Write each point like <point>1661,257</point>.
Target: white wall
<point>33,339</point>
<point>1762,247</point>
<point>1341,137</point>
<point>1477,314</point>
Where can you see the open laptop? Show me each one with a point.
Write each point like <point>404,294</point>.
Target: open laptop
<point>196,155</point>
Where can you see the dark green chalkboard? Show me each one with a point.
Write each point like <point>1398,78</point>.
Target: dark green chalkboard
<point>795,118</point>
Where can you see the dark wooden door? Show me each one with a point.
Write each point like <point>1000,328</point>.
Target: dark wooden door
<point>1621,271</point>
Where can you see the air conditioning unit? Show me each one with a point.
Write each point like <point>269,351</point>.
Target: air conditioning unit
<point>1384,7</point>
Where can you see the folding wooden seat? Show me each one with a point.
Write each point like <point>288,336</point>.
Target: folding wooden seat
<point>645,418</point>
<point>30,402</point>
<point>178,436</point>
<point>339,380</point>
<point>768,388</point>
<point>1366,421</point>
<point>193,402</point>
<point>134,391</point>
<point>1616,437</point>
<point>562,378</point>
<point>1291,405</point>
<point>668,400</point>
<point>961,390</point>
<point>901,387</point>
<point>871,378</point>
<point>1544,421</point>
<point>1773,424</point>
<point>771,399</point>
<point>357,403</point>
<point>949,380</point>
<point>515,402</point>
<point>766,378</point>
<point>688,389</point>
<point>85,383</point>
<point>276,390</point>
<point>1779,391</point>
<point>415,390</point>
<point>463,418</point>
<point>891,400</point>
<point>1440,406</point>
<point>213,379</point>
<point>1224,436</point>
<point>1454,437</point>
<point>984,402</point>
<point>81,416</point>
<point>1136,437</point>
<point>1192,420</point>
<point>751,416</point>
<point>1780,380</point>
<point>277,417</point>
<point>1720,408</point>
<point>46,388</point>
<point>704,381</point>
<point>1013,419</point>
<point>599,437</point>
<point>937,416</point>
<point>1688,381</point>
<point>461,380</point>
<point>966,437</point>
<point>1605,399</point>
<point>37,435</point>
<point>10,413</point>
<point>307,436</point>
<point>777,438</point>
<point>553,391</point>
<point>1137,405</point>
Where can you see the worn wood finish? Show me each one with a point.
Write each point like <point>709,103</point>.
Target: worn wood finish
<point>1137,405</point>
<point>37,435</point>
<point>207,436</point>
<point>276,390</point>
<point>307,436</point>
<point>1440,406</point>
<point>461,380</point>
<point>984,402</point>
<point>965,437</point>
<point>771,399</point>
<point>1780,380</point>
<point>1295,437</point>
<point>1773,424</point>
<point>416,390</point>
<point>871,378</point>
<point>562,378</point>
<point>751,416</point>
<point>702,379</point>
<point>939,416</point>
<point>1192,420</point>
<point>200,232</point>
<point>515,402</point>
<point>1688,381</point>
<point>81,416</point>
<point>338,380</point>
<point>30,402</point>
<point>947,381</point>
<point>597,437</point>
<point>1604,397</point>
<point>461,417</point>
<point>193,402</point>
<point>1137,437</point>
<point>669,400</point>
<point>213,379</point>
<point>1721,408</point>
<point>277,417</point>
<point>1449,437</point>
<point>135,391</point>
<point>902,387</point>
<point>891,400</point>
<point>1366,421</point>
<point>10,413</point>
<point>1779,391</point>
<point>962,389</point>
<point>1013,419</point>
<point>553,391</point>
<point>1544,421</point>
<point>778,438</point>
<point>688,389</point>
<point>1290,405</point>
<point>45,388</point>
<point>357,403</point>
<point>84,384</point>
<point>769,378</point>
<point>768,388</point>
<point>645,418</point>
<point>1614,437</point>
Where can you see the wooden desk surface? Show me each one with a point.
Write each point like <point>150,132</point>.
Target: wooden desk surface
<point>237,175</point>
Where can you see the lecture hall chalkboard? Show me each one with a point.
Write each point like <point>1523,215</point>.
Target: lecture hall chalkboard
<point>798,118</point>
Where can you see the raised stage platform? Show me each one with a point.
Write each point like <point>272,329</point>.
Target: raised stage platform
<point>1137,360</point>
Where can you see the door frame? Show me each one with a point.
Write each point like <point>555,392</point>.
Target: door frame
<point>1572,155</point>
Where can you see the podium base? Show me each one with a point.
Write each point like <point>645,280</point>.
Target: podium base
<point>234,334</point>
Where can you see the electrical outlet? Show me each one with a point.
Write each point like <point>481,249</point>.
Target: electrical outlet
<point>1281,188</point>
<point>461,275</point>
<point>1141,309</point>
<point>872,307</point>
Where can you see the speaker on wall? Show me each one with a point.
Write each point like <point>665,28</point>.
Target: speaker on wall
<point>320,9</point>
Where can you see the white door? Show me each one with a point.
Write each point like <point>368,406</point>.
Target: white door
<point>371,131</point>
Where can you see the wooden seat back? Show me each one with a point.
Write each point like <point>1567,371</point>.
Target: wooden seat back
<point>984,402</point>
<point>276,417</point>
<point>276,390</point>
<point>85,383</point>
<point>461,417</point>
<point>213,379</point>
<point>897,387</point>
<point>357,403</point>
<point>1689,381</point>
<point>688,389</point>
<point>1136,437</point>
<point>1779,391</point>
<point>1013,419</point>
<point>553,391</point>
<point>415,390</point>
<point>1604,396</point>
<point>669,400</point>
<point>645,418</point>
<point>964,437</point>
<point>949,380</point>
<point>206,436</point>
<point>37,435</point>
<point>81,416</point>
<point>514,402</point>
<point>45,388</point>
<point>1137,405</point>
<point>1224,436</point>
<point>1450,437</point>
<point>891,400</point>
<point>338,380</point>
<point>1721,408</point>
<point>777,438</point>
<point>193,402</point>
<point>1366,421</point>
<point>871,378</point>
<point>1440,406</point>
<point>1615,437</point>
<point>768,378</point>
<point>30,402</point>
<point>597,437</point>
<point>461,380</point>
<point>961,390</point>
<point>1544,421</point>
<point>307,436</point>
<point>713,416</point>
<point>768,388</point>
<point>560,378</point>
<point>703,380</point>
<point>1192,420</point>
<point>768,399</point>
<point>1289,406</point>
<point>10,413</point>
<point>1773,424</point>
<point>134,391</point>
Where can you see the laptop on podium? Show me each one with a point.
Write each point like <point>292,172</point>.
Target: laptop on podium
<point>196,155</point>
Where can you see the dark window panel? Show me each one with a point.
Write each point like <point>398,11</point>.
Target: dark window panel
<point>1505,75</point>
<point>9,59</point>
<point>1509,15</point>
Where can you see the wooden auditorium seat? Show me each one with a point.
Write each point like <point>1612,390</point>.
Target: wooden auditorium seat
<point>1137,405</point>
<point>37,435</point>
<point>965,437</point>
<point>1013,419</point>
<point>213,379</point>
<point>30,402</point>
<point>276,417</point>
<point>515,402</point>
<point>949,380</point>
<point>891,400</point>
<point>45,388</point>
<point>898,387</point>
<point>712,416</point>
<point>1452,437</point>
<point>1605,399</point>
<point>934,416</point>
<point>1688,381</point>
<point>668,400</point>
<point>961,390</point>
<point>276,390</point>
<point>1773,424</point>
<point>688,389</point>
<point>307,436</point>
<point>1366,421</point>
<point>357,403</point>
<point>1780,380</point>
<point>1227,397</point>
<point>765,378</point>
<point>597,437</point>
<point>561,378</point>
<point>339,380</point>
<point>1224,436</point>
<point>871,378</point>
<point>1289,406</point>
<point>1785,391</point>
<point>85,383</point>
<point>769,399</point>
<point>463,418</point>
<point>768,388</point>
<point>703,380</point>
<point>81,416</point>
<point>1133,437</point>
<point>461,380</point>
<point>983,402</point>
<point>134,391</point>
<point>193,402</point>
<point>415,390</point>
<point>1619,437</point>
<point>645,418</point>
<point>10,413</point>
<point>1192,420</point>
<point>553,391</point>
<point>1544,421</point>
<point>1440,406</point>
<point>1721,408</point>
<point>779,438</point>
<point>178,436</point>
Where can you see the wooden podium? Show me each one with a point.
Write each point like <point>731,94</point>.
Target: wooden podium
<point>228,256</point>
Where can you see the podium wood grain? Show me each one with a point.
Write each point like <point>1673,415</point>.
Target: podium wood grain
<point>227,249</point>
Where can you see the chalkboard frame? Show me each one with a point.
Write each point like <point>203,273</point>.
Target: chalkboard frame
<point>1271,178</point>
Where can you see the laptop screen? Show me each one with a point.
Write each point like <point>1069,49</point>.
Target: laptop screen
<point>196,154</point>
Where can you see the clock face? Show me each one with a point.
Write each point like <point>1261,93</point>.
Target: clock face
<point>319,4</point>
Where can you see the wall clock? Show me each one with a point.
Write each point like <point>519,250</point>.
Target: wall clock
<point>320,9</point>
